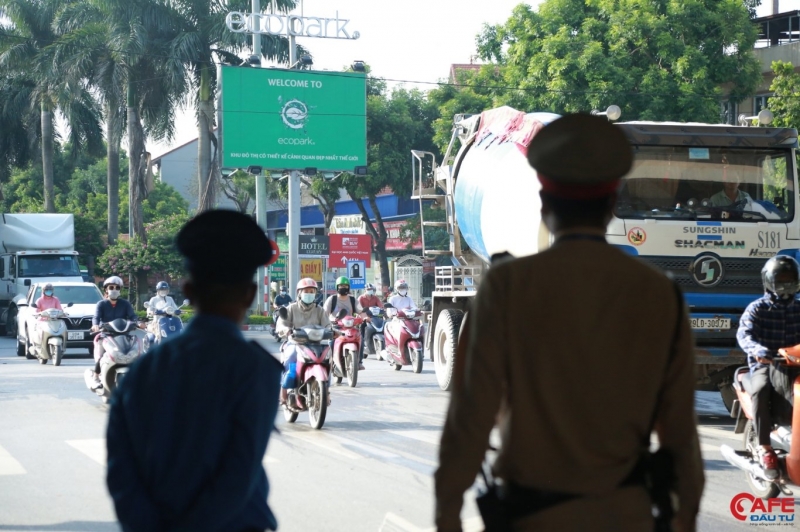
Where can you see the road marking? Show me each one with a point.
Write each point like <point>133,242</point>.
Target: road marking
<point>94,449</point>
<point>395,523</point>
<point>8,465</point>
<point>426,436</point>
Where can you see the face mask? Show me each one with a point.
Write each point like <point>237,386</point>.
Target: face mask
<point>283,292</point>
<point>163,293</point>
<point>370,292</point>
<point>113,294</point>
<point>402,292</point>
<point>343,291</point>
<point>307,298</point>
<point>48,293</point>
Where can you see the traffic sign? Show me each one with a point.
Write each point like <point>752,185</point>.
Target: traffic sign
<point>344,248</point>
<point>357,272</point>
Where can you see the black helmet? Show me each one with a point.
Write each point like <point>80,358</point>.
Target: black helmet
<point>781,276</point>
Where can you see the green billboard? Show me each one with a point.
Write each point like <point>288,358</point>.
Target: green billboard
<point>293,119</point>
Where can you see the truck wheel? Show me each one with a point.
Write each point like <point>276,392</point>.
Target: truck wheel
<point>11,322</point>
<point>728,395</point>
<point>445,341</point>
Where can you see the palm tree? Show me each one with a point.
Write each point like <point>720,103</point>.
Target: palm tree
<point>17,138</point>
<point>84,52</point>
<point>139,33</point>
<point>203,37</point>
<point>23,54</point>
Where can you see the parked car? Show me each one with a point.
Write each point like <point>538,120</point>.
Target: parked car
<point>84,298</point>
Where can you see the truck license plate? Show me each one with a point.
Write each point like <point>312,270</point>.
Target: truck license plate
<point>75,335</point>
<point>711,323</point>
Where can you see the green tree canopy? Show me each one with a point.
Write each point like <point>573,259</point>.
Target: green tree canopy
<point>785,100</point>
<point>657,60</point>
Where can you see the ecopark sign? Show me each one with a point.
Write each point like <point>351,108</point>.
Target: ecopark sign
<point>289,25</point>
<point>293,119</point>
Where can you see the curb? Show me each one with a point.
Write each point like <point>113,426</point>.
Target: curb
<point>266,328</point>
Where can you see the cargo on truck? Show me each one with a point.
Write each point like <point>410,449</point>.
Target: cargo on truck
<point>34,248</point>
<point>674,211</point>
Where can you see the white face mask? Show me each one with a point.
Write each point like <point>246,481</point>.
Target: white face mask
<point>307,298</point>
<point>402,292</point>
<point>113,294</point>
<point>370,292</point>
<point>163,293</point>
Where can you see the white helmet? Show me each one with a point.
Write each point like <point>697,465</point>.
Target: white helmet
<point>113,280</point>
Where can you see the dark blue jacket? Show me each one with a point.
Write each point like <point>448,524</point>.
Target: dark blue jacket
<point>105,312</point>
<point>188,430</point>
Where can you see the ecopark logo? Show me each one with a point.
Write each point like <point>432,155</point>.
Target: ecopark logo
<point>294,114</point>
<point>290,25</point>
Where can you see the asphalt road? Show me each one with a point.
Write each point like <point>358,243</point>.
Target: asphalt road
<point>369,469</point>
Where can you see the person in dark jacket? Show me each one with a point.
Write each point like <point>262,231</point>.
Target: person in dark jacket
<point>109,309</point>
<point>190,423</point>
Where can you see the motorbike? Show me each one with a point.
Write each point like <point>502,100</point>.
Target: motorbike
<point>275,316</point>
<point>312,373</point>
<point>49,338</point>
<point>123,342</point>
<point>402,335</point>
<point>346,348</point>
<point>786,430</point>
<point>164,325</point>
<point>377,323</point>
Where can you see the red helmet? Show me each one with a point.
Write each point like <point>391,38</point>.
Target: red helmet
<point>306,282</point>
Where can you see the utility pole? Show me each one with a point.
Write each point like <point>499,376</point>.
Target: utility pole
<point>293,266</point>
<point>261,180</point>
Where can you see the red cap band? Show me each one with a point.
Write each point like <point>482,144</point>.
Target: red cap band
<point>577,191</point>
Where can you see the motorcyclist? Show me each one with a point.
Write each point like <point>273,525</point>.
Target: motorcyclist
<point>48,300</point>
<point>108,310</point>
<point>369,299</point>
<point>401,300</point>
<point>301,313</point>
<point>161,300</point>
<point>342,300</point>
<point>282,299</point>
<point>768,324</point>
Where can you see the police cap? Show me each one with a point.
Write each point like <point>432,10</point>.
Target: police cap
<point>224,247</point>
<point>580,156</point>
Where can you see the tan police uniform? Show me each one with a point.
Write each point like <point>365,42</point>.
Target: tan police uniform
<point>568,351</point>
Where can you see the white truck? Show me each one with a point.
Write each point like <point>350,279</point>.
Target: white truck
<point>670,213</point>
<point>34,248</point>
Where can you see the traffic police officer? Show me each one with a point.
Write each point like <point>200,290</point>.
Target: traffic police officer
<point>189,424</point>
<point>576,353</point>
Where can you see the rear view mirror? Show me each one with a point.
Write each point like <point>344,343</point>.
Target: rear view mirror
<point>146,304</point>
<point>69,304</point>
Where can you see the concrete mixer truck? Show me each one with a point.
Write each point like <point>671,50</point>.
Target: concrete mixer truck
<point>670,213</point>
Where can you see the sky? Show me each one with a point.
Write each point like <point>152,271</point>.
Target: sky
<point>414,41</point>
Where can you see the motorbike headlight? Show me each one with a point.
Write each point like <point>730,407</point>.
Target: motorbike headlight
<point>348,322</point>
<point>315,335</point>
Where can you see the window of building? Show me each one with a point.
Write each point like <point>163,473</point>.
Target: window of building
<point>760,102</point>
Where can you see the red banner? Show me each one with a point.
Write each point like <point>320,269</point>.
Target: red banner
<point>349,247</point>
<point>394,236</point>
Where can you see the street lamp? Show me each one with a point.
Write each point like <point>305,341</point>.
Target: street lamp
<point>305,60</point>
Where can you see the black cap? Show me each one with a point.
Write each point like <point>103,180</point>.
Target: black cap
<point>582,150</point>
<point>224,247</point>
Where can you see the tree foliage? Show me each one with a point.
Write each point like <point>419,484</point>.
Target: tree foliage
<point>665,60</point>
<point>397,123</point>
<point>785,100</point>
